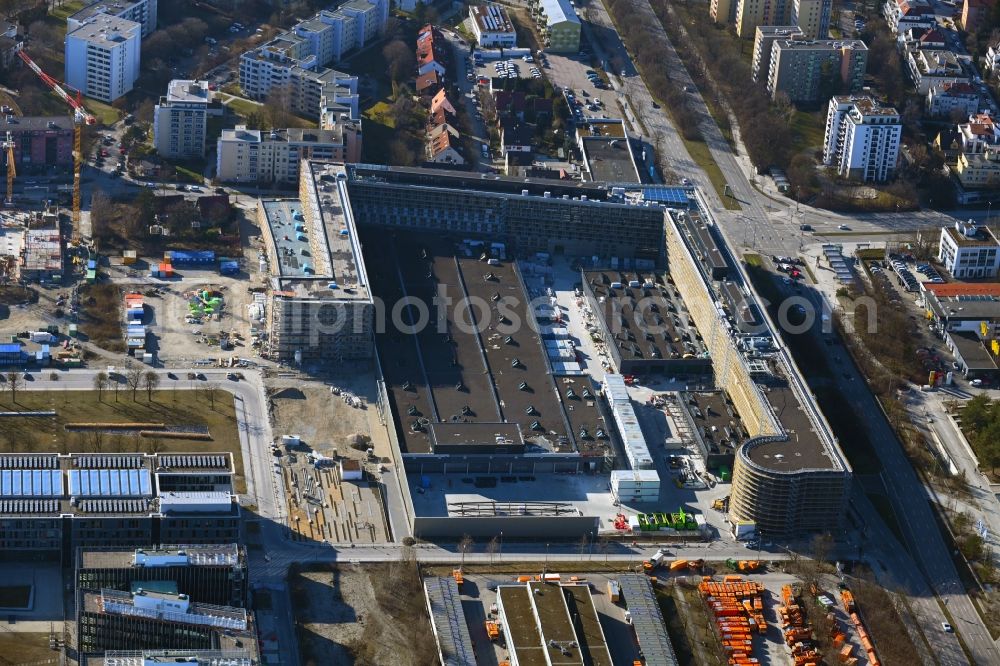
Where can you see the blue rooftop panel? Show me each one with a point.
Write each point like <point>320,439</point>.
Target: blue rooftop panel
<point>676,196</point>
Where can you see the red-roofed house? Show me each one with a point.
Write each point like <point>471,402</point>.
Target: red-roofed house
<point>443,145</point>
<point>946,98</point>
<point>981,131</point>
<point>428,84</point>
<point>441,101</point>
<point>431,51</point>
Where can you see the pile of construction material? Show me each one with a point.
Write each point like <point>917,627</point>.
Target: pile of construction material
<point>738,608</point>
<point>846,651</point>
<point>797,631</point>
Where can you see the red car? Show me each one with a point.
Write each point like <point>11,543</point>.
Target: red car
<point>121,151</point>
<point>104,153</point>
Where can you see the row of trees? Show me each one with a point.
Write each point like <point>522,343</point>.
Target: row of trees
<point>133,379</point>
<point>650,54</point>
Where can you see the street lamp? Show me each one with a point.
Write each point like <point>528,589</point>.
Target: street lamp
<point>500,550</point>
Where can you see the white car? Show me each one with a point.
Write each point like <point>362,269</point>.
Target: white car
<point>947,627</point>
<point>844,227</point>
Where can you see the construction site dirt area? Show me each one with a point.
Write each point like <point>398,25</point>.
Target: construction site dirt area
<point>321,418</point>
<point>194,316</point>
<point>353,614</point>
<point>201,411</point>
<point>27,648</point>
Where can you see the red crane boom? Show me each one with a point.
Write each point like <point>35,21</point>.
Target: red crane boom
<point>75,103</point>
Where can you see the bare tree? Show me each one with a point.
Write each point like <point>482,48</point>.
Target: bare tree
<point>399,60</point>
<point>464,546</point>
<point>14,382</point>
<point>96,440</point>
<point>604,546</point>
<point>116,385</point>
<point>134,380</point>
<point>153,444</point>
<point>210,392</point>
<point>492,547</point>
<point>100,383</point>
<point>150,380</point>
<point>583,544</point>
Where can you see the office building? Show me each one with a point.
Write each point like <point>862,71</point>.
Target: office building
<point>946,99</point>
<point>238,657</point>
<point>931,67</point>
<point>970,250</point>
<point>53,504</point>
<point>211,574</point>
<point>142,12</point>
<point>558,24</point>
<point>102,57</point>
<point>764,39</point>
<point>492,27</point>
<point>41,143</point>
<point>257,156</point>
<point>812,17</point>
<point>158,618</point>
<point>862,138</point>
<point>807,71</point>
<point>180,119</point>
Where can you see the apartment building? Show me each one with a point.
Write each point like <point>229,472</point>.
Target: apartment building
<point>211,574</point>
<point>901,15</point>
<point>722,12</point>
<point>980,132</point>
<point>298,58</point>
<point>946,99</point>
<point>812,17</point>
<point>180,119</point>
<point>931,67</point>
<point>979,170</point>
<point>40,142</point>
<point>752,13</point>
<point>303,91</point>
<point>140,11</point>
<point>492,27</point>
<point>102,57</point>
<point>862,138</point>
<point>805,70</point>
<point>764,39</point>
<point>970,250</point>
<point>255,156</point>
<point>558,24</point>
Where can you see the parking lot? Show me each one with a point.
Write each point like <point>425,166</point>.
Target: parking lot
<point>570,73</point>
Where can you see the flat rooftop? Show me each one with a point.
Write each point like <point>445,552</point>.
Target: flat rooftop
<point>198,555</point>
<point>492,18</point>
<point>972,351</point>
<point>587,423</point>
<point>314,240</point>
<point>455,369</point>
<point>645,318</point>
<point>716,419</point>
<point>187,91</point>
<point>602,128</point>
<point>985,237</point>
<point>36,123</point>
<point>539,621</point>
<point>611,160</point>
<point>106,29</point>
<point>804,449</point>
<point>171,658</point>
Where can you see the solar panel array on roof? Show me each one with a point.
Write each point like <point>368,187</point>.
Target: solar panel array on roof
<point>108,462</point>
<point>110,482</point>
<point>647,620</point>
<point>671,196</point>
<point>31,483</point>
<point>114,506</point>
<point>194,461</point>
<point>452,631</point>
<point>29,462</point>
<point>29,506</point>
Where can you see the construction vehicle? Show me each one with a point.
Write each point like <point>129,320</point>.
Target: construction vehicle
<point>8,145</point>
<point>458,576</point>
<point>492,630</point>
<point>655,561</point>
<point>721,504</point>
<point>80,117</point>
<point>743,566</point>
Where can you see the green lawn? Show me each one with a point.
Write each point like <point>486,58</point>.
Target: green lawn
<point>808,130</point>
<point>244,107</point>
<point>703,156</point>
<point>191,409</point>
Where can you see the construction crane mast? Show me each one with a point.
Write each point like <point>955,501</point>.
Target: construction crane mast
<point>80,117</point>
<point>8,145</point>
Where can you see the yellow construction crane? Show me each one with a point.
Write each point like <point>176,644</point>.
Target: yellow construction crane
<point>8,144</point>
<point>80,118</point>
